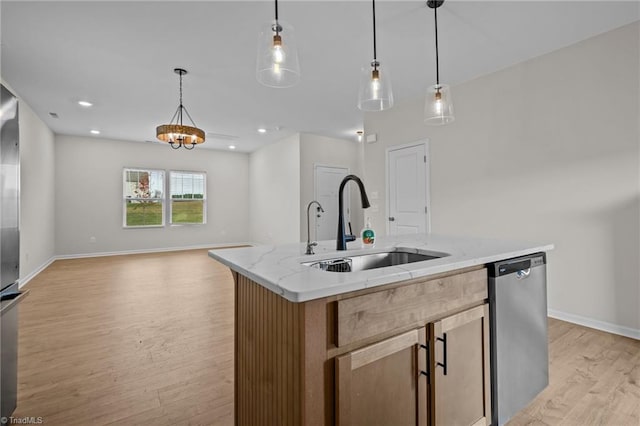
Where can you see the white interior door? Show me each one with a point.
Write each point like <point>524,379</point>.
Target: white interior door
<point>407,189</point>
<point>327,182</point>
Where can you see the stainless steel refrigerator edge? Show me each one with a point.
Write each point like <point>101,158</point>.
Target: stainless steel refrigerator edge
<point>9,190</point>
<point>9,249</point>
<point>519,344</point>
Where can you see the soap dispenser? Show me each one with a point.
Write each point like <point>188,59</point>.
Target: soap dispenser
<point>368,235</point>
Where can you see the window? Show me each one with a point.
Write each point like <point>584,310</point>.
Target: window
<point>188,200</point>
<point>143,197</point>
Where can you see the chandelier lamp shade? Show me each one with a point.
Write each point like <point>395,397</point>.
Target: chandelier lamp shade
<point>277,62</point>
<point>176,133</point>
<point>438,108</point>
<point>375,92</point>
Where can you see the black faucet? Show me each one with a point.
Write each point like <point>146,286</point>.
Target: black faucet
<point>343,239</point>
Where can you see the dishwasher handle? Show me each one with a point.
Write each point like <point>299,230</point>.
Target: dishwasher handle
<point>520,266</point>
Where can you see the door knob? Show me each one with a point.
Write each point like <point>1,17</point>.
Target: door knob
<point>391,219</point>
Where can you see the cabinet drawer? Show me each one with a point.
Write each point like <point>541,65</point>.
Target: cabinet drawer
<point>416,303</point>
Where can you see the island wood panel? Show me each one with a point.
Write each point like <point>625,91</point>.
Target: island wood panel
<point>362,317</point>
<point>281,368</point>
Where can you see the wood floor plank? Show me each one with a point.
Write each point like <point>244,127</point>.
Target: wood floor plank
<point>132,340</point>
<point>148,340</point>
<point>593,380</point>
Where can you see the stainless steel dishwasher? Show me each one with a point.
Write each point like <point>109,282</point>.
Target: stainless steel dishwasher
<point>519,345</point>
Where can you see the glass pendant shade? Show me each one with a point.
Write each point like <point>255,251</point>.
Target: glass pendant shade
<point>375,89</point>
<point>438,108</point>
<point>277,62</point>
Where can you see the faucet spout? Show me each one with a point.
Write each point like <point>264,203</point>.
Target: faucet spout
<point>310,244</point>
<point>342,238</point>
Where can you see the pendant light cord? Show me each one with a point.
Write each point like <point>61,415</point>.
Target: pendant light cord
<point>435,15</point>
<point>276,27</point>
<point>374,33</point>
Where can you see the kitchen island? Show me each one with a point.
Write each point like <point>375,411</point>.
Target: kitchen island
<point>403,344</point>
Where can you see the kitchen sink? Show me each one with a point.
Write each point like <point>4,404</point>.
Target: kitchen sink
<point>367,261</point>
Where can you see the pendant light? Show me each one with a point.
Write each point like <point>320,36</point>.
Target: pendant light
<point>177,134</point>
<point>438,108</point>
<point>375,86</point>
<point>277,64</point>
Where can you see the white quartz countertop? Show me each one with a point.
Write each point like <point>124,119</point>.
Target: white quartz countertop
<point>279,268</point>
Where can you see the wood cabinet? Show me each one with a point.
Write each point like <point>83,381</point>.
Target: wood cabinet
<point>388,383</point>
<point>381,384</point>
<point>371,357</point>
<point>460,380</point>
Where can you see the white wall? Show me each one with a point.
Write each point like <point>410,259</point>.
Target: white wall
<point>547,150</point>
<point>37,193</point>
<point>274,192</point>
<point>88,187</point>
<point>326,151</point>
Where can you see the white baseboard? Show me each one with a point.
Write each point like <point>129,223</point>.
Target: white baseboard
<point>151,250</point>
<point>23,281</point>
<point>598,325</point>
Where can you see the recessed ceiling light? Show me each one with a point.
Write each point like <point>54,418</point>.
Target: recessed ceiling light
<point>95,132</point>
<point>86,104</point>
<point>232,147</point>
<point>262,130</point>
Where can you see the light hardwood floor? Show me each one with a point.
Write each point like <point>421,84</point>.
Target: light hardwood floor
<point>134,340</point>
<point>148,340</point>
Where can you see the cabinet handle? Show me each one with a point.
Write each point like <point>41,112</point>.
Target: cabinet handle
<point>444,353</point>
<point>426,348</point>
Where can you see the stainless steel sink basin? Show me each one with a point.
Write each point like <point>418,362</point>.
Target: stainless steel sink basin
<point>373,260</point>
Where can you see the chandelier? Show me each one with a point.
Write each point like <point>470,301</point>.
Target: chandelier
<point>177,134</point>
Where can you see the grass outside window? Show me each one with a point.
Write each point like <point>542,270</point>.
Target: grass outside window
<point>143,213</point>
<point>187,211</point>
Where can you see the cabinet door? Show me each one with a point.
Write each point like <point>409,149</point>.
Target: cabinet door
<point>382,384</point>
<point>460,383</point>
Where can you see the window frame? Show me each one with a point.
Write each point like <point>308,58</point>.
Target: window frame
<point>161,200</point>
<point>170,198</point>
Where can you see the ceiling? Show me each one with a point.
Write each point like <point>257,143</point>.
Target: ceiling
<point>120,55</point>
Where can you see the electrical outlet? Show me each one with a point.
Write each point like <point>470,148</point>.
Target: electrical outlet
<point>92,240</point>
<point>373,195</point>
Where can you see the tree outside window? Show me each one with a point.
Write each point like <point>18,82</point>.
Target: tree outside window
<point>143,194</point>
